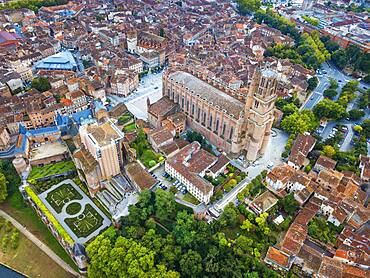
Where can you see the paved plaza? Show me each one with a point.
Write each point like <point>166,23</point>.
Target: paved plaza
<point>150,87</point>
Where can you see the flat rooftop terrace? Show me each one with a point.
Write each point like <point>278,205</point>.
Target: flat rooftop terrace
<point>48,150</point>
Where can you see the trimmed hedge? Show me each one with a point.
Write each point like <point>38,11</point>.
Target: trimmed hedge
<point>61,231</point>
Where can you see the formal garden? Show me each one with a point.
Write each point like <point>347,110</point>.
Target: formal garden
<point>74,211</point>
<point>144,152</point>
<point>62,195</point>
<point>86,222</point>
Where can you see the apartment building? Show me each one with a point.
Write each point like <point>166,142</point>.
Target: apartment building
<point>104,142</point>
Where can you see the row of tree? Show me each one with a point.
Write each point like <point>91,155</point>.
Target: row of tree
<point>309,51</point>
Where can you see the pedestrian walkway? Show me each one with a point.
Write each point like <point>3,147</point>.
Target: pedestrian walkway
<point>39,244</point>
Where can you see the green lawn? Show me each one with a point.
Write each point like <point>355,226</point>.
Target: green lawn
<point>130,127</point>
<point>125,118</point>
<point>86,223</point>
<point>150,158</point>
<point>18,209</point>
<point>73,208</point>
<point>20,258</point>
<point>62,195</point>
<point>191,199</point>
<point>51,169</point>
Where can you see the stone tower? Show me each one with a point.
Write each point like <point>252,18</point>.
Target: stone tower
<point>131,39</point>
<point>259,109</point>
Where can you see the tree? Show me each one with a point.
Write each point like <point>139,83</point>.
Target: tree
<point>366,128</point>
<point>356,114</point>
<point>328,151</point>
<point>41,84</point>
<point>289,109</point>
<point>3,188</point>
<point>330,110</point>
<point>191,264</point>
<point>243,246</point>
<point>249,6</point>
<point>123,257</point>
<point>184,231</point>
<point>288,204</point>
<point>312,83</point>
<point>357,128</point>
<point>330,93</point>
<point>230,216</point>
<point>247,225</point>
<point>299,122</point>
<point>165,204</point>
<point>330,45</point>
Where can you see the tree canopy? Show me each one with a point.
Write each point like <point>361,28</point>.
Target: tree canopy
<point>299,122</point>
<point>249,6</point>
<point>330,110</point>
<point>3,188</point>
<point>41,84</point>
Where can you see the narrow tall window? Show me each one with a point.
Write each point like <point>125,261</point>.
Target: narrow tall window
<point>231,133</point>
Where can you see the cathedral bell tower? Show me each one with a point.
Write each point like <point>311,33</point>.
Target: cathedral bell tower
<point>259,109</point>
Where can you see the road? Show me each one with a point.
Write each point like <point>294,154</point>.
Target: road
<point>324,83</point>
<point>40,244</point>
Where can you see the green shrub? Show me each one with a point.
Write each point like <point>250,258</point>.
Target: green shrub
<point>152,163</point>
<point>48,215</point>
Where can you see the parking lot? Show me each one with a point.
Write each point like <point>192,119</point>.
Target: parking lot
<point>166,182</point>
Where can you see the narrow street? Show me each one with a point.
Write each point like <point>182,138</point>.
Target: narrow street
<point>40,244</point>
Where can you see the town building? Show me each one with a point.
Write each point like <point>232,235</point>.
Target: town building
<point>60,61</point>
<point>189,165</point>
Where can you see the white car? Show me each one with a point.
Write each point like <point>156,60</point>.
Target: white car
<point>270,165</point>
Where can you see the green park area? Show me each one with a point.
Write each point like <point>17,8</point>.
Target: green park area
<point>15,253</point>
<point>86,222</point>
<point>16,207</point>
<point>62,195</point>
<point>144,152</point>
<point>61,167</point>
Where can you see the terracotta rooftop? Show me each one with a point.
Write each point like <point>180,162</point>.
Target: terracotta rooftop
<point>326,162</point>
<point>208,92</point>
<point>278,257</point>
<point>140,176</point>
<point>190,162</point>
<point>162,107</point>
